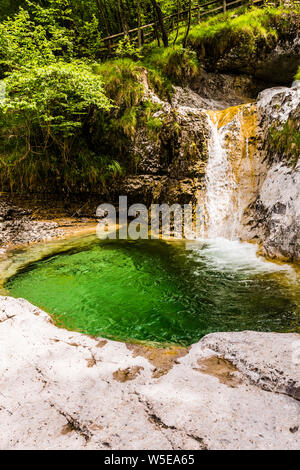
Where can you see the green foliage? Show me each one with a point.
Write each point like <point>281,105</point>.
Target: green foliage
<point>178,64</point>
<point>123,85</point>
<point>42,34</point>
<point>56,96</point>
<point>286,141</point>
<point>87,41</point>
<point>69,121</point>
<point>245,30</point>
<point>127,48</point>
<point>46,123</point>
<point>297,76</point>
<point>22,42</point>
<point>122,81</point>
<point>154,125</point>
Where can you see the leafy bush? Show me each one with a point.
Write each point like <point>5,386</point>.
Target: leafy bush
<point>56,96</point>
<point>87,41</point>
<point>46,124</point>
<point>43,34</point>
<point>21,42</point>
<point>126,48</point>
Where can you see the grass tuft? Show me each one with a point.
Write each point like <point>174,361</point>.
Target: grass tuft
<point>122,81</point>
<point>286,141</point>
<point>245,28</point>
<point>176,63</point>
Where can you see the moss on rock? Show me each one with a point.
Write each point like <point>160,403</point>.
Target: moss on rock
<point>286,140</point>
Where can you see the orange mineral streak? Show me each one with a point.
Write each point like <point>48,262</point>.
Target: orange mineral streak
<point>238,130</point>
<point>241,138</point>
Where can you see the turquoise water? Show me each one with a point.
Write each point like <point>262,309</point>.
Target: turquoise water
<point>161,292</point>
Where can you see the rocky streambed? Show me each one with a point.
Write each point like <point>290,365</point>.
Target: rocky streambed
<point>24,222</point>
<point>63,390</point>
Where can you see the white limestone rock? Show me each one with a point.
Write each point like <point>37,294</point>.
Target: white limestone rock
<point>64,390</point>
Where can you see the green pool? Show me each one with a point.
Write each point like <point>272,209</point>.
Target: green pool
<point>160,292</point>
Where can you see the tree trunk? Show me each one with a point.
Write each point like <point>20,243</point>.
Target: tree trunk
<point>101,9</point>
<point>199,12</point>
<point>139,23</point>
<point>189,24</point>
<point>156,34</point>
<point>178,19</point>
<point>123,18</point>
<point>161,23</point>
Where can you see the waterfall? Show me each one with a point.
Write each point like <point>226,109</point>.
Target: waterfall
<point>230,174</point>
<point>220,185</point>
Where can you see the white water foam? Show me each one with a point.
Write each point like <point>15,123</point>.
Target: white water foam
<point>225,255</point>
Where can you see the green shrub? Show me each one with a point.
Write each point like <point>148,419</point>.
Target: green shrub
<point>123,85</point>
<point>46,122</point>
<point>25,43</point>
<point>127,49</point>
<point>122,81</point>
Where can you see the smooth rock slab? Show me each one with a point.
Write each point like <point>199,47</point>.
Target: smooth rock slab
<point>64,390</point>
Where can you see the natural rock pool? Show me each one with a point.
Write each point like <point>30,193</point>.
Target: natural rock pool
<point>156,291</point>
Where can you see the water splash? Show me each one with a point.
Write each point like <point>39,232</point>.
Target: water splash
<point>227,256</point>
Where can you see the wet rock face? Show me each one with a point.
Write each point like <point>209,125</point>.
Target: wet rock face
<point>274,61</point>
<point>279,203</point>
<point>222,90</point>
<point>171,164</point>
<point>275,214</point>
<point>276,105</point>
<point>278,65</point>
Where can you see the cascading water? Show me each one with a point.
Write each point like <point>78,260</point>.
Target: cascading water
<point>230,176</point>
<point>220,185</point>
